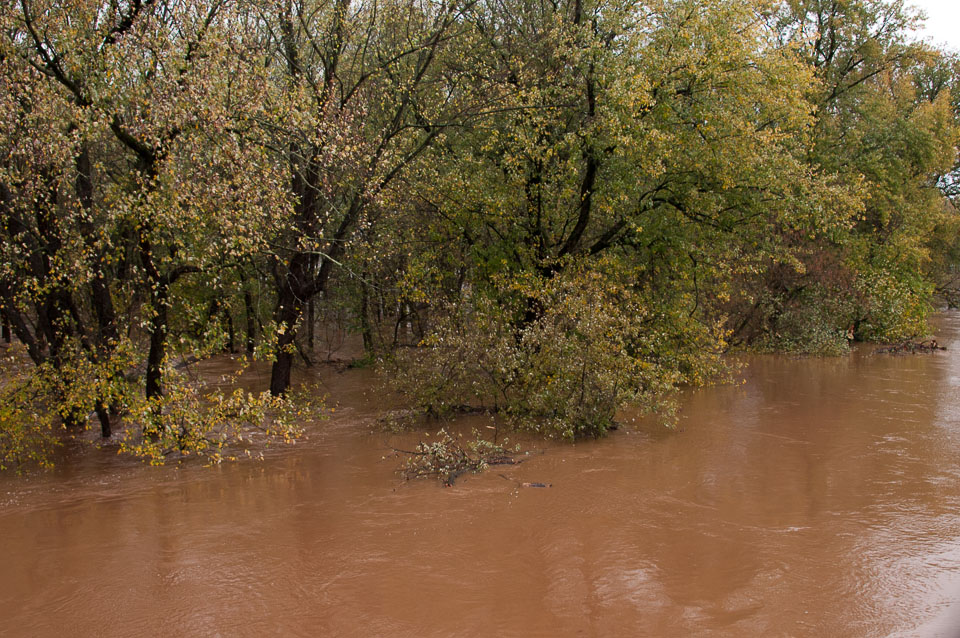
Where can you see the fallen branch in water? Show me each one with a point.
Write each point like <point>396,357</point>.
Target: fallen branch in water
<point>911,347</point>
<point>447,459</point>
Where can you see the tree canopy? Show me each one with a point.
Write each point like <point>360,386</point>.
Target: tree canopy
<point>573,204</point>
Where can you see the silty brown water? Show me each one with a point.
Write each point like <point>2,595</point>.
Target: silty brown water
<point>819,498</point>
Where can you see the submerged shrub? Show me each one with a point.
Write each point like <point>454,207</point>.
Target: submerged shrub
<point>815,321</point>
<point>191,418</point>
<point>895,307</point>
<point>26,437</point>
<point>561,354</point>
<point>38,402</point>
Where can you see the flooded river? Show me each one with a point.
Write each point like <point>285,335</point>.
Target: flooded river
<point>819,498</point>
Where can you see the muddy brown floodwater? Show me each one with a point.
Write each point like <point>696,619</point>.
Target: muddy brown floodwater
<point>819,498</point>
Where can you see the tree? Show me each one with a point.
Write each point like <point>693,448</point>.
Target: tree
<point>651,144</point>
<point>884,134</point>
<point>141,177</point>
<point>360,94</point>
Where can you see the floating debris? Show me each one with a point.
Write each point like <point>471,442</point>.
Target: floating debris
<point>911,347</point>
<point>446,459</point>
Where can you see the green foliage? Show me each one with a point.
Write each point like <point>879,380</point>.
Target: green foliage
<point>808,323</point>
<point>192,419</point>
<point>560,355</point>
<point>896,308</point>
<point>575,204</point>
<point>27,436</point>
<point>39,402</point>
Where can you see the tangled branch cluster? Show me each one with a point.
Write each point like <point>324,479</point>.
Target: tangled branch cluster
<point>447,459</point>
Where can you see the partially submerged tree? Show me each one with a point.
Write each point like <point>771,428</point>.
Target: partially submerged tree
<point>650,160</point>
<point>361,91</point>
<point>129,178</point>
<point>885,133</point>
<point>574,204</point>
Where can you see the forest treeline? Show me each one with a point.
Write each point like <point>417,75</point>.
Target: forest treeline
<point>546,208</point>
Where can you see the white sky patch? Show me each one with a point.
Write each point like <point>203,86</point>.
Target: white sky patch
<point>943,22</point>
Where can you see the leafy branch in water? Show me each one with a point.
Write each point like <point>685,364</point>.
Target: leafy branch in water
<point>191,419</point>
<point>25,437</point>
<point>447,458</point>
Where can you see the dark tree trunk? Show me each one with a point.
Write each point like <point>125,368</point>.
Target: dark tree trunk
<point>57,319</point>
<point>14,321</point>
<point>231,333</point>
<point>212,310</point>
<point>6,330</point>
<point>158,343</point>
<point>251,323</point>
<point>57,316</point>
<point>365,327</point>
<point>107,335</point>
<point>103,414</point>
<point>311,320</point>
<point>287,314</point>
<point>106,315</point>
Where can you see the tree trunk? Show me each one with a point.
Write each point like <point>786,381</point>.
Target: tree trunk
<point>158,343</point>
<point>104,415</point>
<point>107,335</point>
<point>311,319</point>
<point>286,315</point>
<point>365,327</point>
<point>251,323</point>
<point>14,321</point>
<point>212,311</point>
<point>231,333</point>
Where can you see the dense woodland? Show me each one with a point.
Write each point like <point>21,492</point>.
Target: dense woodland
<point>544,208</point>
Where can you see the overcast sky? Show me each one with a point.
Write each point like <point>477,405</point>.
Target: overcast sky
<point>943,21</point>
